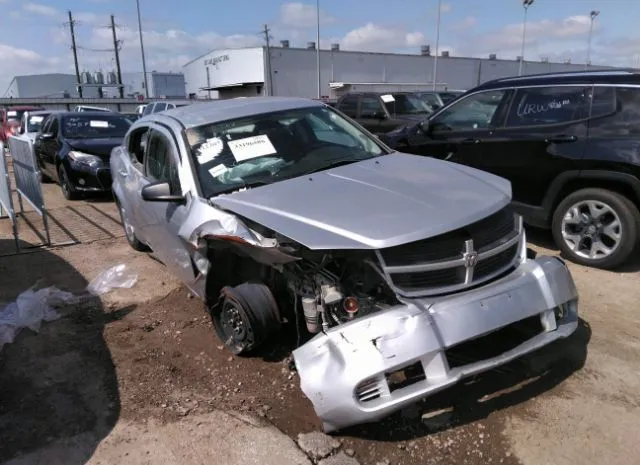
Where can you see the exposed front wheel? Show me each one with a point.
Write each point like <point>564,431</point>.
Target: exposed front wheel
<point>596,227</point>
<point>246,317</point>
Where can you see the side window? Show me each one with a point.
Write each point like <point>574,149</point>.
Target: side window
<point>474,112</point>
<point>370,106</point>
<point>137,145</point>
<point>549,105</point>
<point>148,109</point>
<point>349,106</point>
<point>615,112</point>
<point>160,164</point>
<point>53,126</point>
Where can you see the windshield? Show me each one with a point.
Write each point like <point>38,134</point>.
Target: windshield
<point>34,122</point>
<point>407,104</point>
<point>81,126</point>
<point>267,148</point>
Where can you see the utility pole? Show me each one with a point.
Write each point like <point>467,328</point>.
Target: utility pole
<point>318,46</point>
<point>144,61</point>
<point>116,49</point>
<point>525,4</point>
<point>75,53</point>
<point>435,58</point>
<point>593,16</point>
<point>267,39</point>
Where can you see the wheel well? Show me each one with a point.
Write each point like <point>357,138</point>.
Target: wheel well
<point>574,185</point>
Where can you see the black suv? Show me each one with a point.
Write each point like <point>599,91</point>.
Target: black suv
<point>380,112</point>
<point>568,142</point>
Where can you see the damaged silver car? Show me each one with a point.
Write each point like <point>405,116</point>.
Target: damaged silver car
<point>405,273</point>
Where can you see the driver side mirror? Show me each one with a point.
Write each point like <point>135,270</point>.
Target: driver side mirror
<point>160,192</point>
<point>46,136</point>
<point>380,115</point>
<point>425,126</point>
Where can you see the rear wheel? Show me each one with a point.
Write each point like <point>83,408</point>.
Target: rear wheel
<point>596,227</point>
<point>129,231</point>
<point>247,316</point>
<point>69,192</point>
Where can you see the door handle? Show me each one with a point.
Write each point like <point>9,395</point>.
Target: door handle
<point>471,141</point>
<point>123,173</point>
<point>561,139</point>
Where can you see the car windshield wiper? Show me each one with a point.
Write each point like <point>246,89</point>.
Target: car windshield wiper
<point>335,164</point>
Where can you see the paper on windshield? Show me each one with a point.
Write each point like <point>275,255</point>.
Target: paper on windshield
<point>210,149</point>
<point>251,147</point>
<point>98,124</point>
<point>387,98</point>
<point>218,170</point>
<point>36,119</point>
<point>12,113</point>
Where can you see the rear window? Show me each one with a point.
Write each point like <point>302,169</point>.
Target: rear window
<point>94,127</point>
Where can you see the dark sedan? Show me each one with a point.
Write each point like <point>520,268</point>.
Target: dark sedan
<point>74,149</point>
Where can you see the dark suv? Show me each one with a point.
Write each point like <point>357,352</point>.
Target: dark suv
<point>383,111</point>
<point>568,142</point>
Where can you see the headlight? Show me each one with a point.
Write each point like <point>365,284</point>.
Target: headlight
<point>85,158</point>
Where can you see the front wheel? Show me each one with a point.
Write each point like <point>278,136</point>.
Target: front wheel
<point>130,232</point>
<point>69,192</point>
<point>596,227</point>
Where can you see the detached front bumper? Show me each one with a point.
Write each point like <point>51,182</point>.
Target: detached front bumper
<point>348,372</point>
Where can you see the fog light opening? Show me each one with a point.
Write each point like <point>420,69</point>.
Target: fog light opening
<point>81,181</point>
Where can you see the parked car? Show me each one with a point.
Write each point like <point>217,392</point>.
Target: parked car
<point>156,107</point>
<point>10,120</point>
<point>438,99</point>
<point>568,142</point>
<point>31,122</point>
<point>382,112</point>
<point>90,108</point>
<point>279,210</point>
<point>73,148</point>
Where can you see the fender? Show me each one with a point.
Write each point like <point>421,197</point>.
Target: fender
<point>540,216</point>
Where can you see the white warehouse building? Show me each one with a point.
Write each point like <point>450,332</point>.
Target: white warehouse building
<point>289,71</point>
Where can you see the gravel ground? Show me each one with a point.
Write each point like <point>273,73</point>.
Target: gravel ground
<point>149,356</point>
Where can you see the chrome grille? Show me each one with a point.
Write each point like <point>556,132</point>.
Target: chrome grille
<point>455,260</point>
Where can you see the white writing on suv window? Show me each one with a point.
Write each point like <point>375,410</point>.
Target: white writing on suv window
<point>526,109</point>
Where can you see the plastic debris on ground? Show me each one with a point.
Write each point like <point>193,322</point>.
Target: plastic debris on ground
<point>115,277</point>
<point>30,309</point>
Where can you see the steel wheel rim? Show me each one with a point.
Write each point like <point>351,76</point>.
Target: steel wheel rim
<point>592,229</point>
<point>237,331</point>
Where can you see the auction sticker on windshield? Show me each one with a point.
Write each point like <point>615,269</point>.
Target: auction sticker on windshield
<point>98,124</point>
<point>12,113</point>
<point>251,147</point>
<point>36,119</point>
<point>218,170</point>
<point>388,98</point>
<point>210,149</point>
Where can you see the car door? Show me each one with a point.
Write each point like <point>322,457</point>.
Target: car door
<point>464,130</point>
<point>371,113</point>
<point>545,134</point>
<point>161,221</point>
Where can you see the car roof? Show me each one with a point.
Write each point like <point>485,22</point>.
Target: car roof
<point>609,76</point>
<point>224,110</point>
<point>42,112</point>
<point>97,114</point>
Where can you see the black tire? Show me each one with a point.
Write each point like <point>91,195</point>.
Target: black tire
<point>129,232</point>
<point>247,316</point>
<point>45,179</point>
<point>613,207</point>
<point>69,192</point>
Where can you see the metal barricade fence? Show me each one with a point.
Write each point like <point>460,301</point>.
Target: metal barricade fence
<point>27,176</point>
<point>6,199</point>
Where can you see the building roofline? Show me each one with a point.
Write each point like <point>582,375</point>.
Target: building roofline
<point>220,49</point>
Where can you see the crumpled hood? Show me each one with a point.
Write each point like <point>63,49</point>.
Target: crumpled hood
<point>376,203</point>
<point>100,147</point>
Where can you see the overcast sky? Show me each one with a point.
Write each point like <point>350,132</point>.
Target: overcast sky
<point>35,39</point>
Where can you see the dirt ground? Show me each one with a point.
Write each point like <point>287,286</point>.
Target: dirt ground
<point>148,356</point>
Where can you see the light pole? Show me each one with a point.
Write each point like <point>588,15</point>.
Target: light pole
<point>435,58</point>
<point>526,4</point>
<point>144,61</point>
<point>593,15</point>
<point>318,45</point>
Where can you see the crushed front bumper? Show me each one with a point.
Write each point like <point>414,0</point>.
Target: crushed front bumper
<point>346,372</point>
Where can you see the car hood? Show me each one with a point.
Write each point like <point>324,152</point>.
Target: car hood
<point>100,147</point>
<point>376,203</point>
